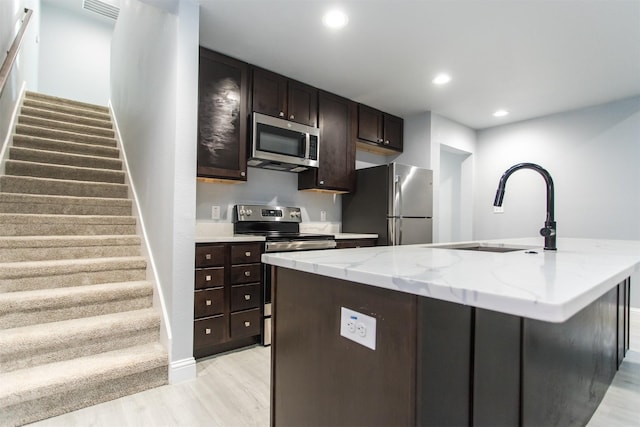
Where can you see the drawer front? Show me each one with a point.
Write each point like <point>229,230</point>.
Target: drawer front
<point>209,277</point>
<point>208,331</point>
<point>245,323</point>
<point>245,254</point>
<point>208,302</point>
<point>209,255</point>
<point>245,297</point>
<point>245,273</point>
<point>355,243</point>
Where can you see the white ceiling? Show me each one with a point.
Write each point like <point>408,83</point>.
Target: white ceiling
<point>530,57</point>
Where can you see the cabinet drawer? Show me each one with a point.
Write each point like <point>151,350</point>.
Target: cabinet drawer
<point>245,273</point>
<point>245,254</point>
<point>245,323</point>
<point>209,255</point>
<point>209,277</point>
<point>244,297</point>
<point>208,302</point>
<point>208,331</point>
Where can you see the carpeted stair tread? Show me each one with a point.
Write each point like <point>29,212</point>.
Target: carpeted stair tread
<point>66,109</point>
<point>86,374</point>
<point>41,248</point>
<point>65,126</point>
<point>22,269</point>
<point>62,187</point>
<point>65,101</point>
<point>10,218</point>
<point>63,205</point>
<point>39,143</point>
<point>53,171</point>
<point>66,159</point>
<point>65,117</point>
<point>31,345</point>
<point>43,306</point>
<point>43,132</point>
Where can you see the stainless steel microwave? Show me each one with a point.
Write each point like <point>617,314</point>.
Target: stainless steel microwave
<point>283,145</point>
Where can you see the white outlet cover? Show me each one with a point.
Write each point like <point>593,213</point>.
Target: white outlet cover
<point>498,209</point>
<point>348,318</point>
<point>215,212</point>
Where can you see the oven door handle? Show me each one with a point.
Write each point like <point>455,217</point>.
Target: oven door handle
<point>299,245</point>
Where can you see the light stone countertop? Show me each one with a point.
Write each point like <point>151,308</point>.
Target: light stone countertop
<point>545,285</point>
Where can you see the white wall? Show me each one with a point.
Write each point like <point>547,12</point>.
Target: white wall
<point>75,55</point>
<point>593,155</point>
<point>25,70</point>
<point>266,187</point>
<point>154,75</point>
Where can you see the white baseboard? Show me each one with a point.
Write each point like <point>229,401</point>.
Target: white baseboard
<point>182,370</point>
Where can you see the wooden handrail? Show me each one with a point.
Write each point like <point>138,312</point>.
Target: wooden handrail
<point>12,54</point>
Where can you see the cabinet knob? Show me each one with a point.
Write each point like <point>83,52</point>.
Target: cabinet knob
<point>247,273</point>
<point>207,256</point>
<point>247,324</point>
<point>207,278</point>
<point>281,114</point>
<point>386,142</point>
<point>248,253</point>
<point>247,297</point>
<point>291,117</point>
<point>243,173</point>
<point>379,139</point>
<point>208,302</point>
<point>207,331</point>
<point>321,182</point>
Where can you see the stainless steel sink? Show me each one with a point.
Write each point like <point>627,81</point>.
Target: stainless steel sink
<point>485,247</point>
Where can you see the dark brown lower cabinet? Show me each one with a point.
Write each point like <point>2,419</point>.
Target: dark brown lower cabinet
<point>436,363</point>
<point>355,243</point>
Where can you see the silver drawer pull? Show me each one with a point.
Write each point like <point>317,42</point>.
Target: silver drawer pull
<point>247,273</point>
<point>247,324</point>
<point>207,331</point>
<point>208,278</point>
<point>207,256</point>
<point>247,297</point>
<point>248,253</point>
<point>291,117</point>
<point>208,302</point>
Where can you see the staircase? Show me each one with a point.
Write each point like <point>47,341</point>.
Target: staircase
<point>76,323</point>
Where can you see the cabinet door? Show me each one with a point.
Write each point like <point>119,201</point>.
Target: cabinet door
<point>222,117</point>
<point>337,146</point>
<point>302,103</point>
<point>393,132</point>
<point>370,122</point>
<point>269,93</point>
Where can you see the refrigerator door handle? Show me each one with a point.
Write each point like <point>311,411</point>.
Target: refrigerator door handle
<point>399,184</point>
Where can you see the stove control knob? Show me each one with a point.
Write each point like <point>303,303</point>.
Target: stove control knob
<point>295,214</point>
<point>242,212</point>
<point>249,212</point>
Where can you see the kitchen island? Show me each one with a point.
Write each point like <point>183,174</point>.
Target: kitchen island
<point>462,337</point>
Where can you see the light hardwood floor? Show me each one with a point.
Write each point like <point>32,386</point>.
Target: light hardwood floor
<point>233,390</point>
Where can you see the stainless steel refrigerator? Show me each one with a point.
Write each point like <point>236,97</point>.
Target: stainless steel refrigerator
<point>395,201</point>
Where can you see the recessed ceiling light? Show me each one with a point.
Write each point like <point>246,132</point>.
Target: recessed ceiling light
<point>441,79</point>
<point>500,113</point>
<point>335,19</point>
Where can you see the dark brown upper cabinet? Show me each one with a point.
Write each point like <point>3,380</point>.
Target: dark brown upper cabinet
<point>222,117</point>
<point>379,132</point>
<point>279,96</point>
<point>336,172</point>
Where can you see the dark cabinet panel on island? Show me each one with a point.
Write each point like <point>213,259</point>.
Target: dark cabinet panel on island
<point>336,172</point>
<point>355,243</point>
<point>227,297</point>
<point>279,96</point>
<point>222,117</point>
<point>379,132</point>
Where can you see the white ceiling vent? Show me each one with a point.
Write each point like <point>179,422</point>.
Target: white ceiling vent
<point>101,8</point>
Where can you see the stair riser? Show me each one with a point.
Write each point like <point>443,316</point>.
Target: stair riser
<point>66,230</point>
<point>64,117</point>
<point>71,280</point>
<point>64,147</point>
<point>14,184</point>
<point>64,136</point>
<point>66,349</point>
<point>52,157</point>
<point>45,314</point>
<point>86,395</point>
<point>65,101</point>
<point>43,254</point>
<point>65,126</point>
<point>63,209</point>
<point>42,105</point>
<point>17,168</point>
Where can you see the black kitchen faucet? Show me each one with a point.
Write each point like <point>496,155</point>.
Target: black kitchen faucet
<point>549,229</point>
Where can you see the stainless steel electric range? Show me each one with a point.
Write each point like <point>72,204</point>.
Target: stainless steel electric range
<point>280,226</point>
